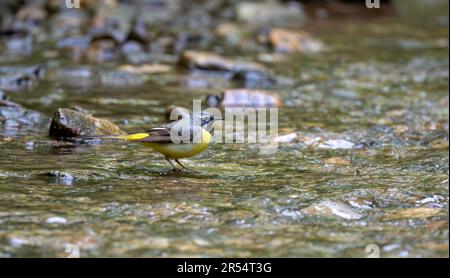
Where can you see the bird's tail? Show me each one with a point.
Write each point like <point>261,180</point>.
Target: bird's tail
<point>97,138</point>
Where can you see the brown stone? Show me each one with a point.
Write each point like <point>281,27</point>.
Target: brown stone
<point>284,40</point>
<point>70,123</point>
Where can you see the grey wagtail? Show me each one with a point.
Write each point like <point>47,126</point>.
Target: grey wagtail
<point>160,139</point>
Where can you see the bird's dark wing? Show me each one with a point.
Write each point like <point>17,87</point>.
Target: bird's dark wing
<point>157,135</point>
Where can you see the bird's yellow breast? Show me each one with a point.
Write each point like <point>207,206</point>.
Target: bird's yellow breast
<point>182,150</point>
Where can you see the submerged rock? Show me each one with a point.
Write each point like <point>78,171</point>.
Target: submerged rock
<point>60,177</point>
<point>70,123</point>
<point>13,115</point>
<point>244,98</point>
<point>332,208</point>
<point>209,61</point>
<point>14,78</point>
<point>284,40</point>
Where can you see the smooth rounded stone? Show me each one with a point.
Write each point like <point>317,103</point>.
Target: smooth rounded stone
<point>193,59</point>
<point>329,208</point>
<point>270,12</point>
<point>70,123</point>
<point>245,98</point>
<point>56,220</point>
<point>284,40</point>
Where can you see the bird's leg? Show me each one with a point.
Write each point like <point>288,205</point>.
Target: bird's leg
<point>175,169</point>
<point>179,163</point>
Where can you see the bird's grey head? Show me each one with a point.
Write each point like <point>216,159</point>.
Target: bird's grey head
<point>204,119</point>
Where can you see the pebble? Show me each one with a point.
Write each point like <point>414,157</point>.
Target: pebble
<point>56,220</point>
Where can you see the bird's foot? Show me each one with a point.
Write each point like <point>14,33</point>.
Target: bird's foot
<point>177,170</point>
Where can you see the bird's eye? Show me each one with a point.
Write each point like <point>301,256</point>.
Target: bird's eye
<point>211,117</point>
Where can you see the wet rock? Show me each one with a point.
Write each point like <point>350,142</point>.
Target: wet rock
<point>18,77</point>
<point>410,213</point>
<point>103,50</point>
<point>210,61</point>
<point>146,69</point>
<point>270,12</point>
<point>330,208</point>
<point>70,123</point>
<point>13,115</point>
<point>244,98</point>
<point>2,95</point>
<point>60,176</point>
<point>284,40</point>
